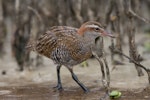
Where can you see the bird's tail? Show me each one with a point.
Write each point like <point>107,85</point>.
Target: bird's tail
<point>31,45</point>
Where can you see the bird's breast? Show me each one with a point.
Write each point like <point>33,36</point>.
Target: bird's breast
<point>70,56</point>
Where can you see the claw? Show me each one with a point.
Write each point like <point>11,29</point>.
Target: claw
<point>58,87</point>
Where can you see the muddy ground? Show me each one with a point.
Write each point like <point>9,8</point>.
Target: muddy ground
<point>37,83</point>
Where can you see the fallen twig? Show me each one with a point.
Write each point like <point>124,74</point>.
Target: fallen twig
<point>135,62</point>
<point>36,13</point>
<point>131,12</point>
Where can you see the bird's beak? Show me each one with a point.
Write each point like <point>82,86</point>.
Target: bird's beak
<point>106,33</point>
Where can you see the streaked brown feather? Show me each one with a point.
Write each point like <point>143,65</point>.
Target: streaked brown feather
<point>63,44</point>
<point>68,46</point>
<point>58,36</point>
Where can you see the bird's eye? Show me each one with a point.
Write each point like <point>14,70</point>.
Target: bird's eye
<point>97,29</point>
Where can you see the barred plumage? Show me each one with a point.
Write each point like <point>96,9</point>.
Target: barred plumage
<point>68,46</point>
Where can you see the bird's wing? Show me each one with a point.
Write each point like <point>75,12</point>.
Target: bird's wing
<point>69,40</point>
<point>54,38</point>
<point>46,43</point>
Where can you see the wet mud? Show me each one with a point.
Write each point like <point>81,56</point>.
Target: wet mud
<point>35,92</point>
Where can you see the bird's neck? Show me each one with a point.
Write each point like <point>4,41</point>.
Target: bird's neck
<point>88,43</point>
<point>89,39</point>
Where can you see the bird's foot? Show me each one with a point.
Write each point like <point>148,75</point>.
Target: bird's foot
<point>59,87</point>
<point>105,97</point>
<point>86,90</point>
<point>105,83</point>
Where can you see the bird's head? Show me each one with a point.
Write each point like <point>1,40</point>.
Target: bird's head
<point>93,29</point>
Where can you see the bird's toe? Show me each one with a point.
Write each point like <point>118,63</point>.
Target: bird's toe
<point>87,91</point>
<point>58,87</point>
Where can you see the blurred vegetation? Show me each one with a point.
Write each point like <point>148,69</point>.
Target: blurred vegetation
<point>21,19</point>
<point>147,46</point>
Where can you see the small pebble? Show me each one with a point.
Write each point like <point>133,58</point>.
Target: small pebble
<point>146,97</point>
<point>3,72</point>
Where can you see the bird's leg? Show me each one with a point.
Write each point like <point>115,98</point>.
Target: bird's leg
<point>75,78</point>
<point>102,67</point>
<point>59,85</point>
<point>107,71</point>
<point>108,76</point>
<point>105,81</point>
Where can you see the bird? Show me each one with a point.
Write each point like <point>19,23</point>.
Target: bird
<point>68,46</point>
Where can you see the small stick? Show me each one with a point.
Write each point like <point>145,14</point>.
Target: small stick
<point>36,13</point>
<point>136,63</point>
<point>131,12</point>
